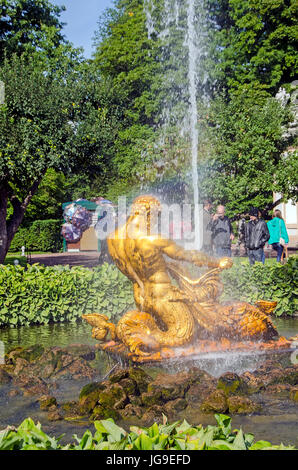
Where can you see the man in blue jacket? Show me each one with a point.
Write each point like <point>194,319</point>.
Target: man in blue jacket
<point>256,235</point>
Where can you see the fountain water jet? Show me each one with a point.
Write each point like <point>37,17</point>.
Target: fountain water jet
<point>187,320</point>
<point>181,30</point>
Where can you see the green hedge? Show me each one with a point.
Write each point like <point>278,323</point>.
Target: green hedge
<point>108,436</point>
<point>42,235</point>
<point>39,294</point>
<point>267,282</point>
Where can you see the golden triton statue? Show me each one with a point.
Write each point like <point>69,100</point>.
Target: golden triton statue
<point>172,321</point>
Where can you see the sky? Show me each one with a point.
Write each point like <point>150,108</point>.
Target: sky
<point>81,17</point>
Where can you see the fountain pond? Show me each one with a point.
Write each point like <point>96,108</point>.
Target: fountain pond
<point>275,421</point>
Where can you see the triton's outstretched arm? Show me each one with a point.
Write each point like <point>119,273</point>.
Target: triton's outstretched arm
<point>178,253</point>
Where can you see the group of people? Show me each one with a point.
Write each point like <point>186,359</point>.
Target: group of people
<point>254,234</point>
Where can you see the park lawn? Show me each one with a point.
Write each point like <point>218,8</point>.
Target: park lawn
<point>11,253</point>
<point>12,256</point>
<point>244,259</point>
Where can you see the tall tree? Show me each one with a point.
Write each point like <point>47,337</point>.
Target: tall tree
<point>35,134</point>
<point>26,25</point>
<point>247,158</point>
<point>254,43</point>
<point>124,58</point>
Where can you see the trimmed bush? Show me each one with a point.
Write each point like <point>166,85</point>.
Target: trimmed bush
<point>39,294</point>
<point>42,235</point>
<point>264,282</point>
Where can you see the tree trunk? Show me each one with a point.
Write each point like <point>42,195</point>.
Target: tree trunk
<point>3,228</point>
<point>9,229</point>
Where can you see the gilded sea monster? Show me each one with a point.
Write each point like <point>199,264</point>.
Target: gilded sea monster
<point>170,317</point>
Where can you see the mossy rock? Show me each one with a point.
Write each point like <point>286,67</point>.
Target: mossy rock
<point>242,405</point>
<point>20,366</point>
<point>118,375</point>
<point>141,378</point>
<point>153,414</point>
<point>30,354</point>
<point>199,376</point>
<point>72,411</point>
<point>171,386</point>
<point>89,396</point>
<point>135,400</point>
<point>280,390</point>
<point>47,402</point>
<point>78,419</point>
<point>55,416</point>
<point>280,375</point>
<point>254,383</point>
<point>232,384</point>
<point>84,351</point>
<point>5,378</point>
<point>90,388</point>
<point>31,384</point>
<point>129,386</point>
<point>215,402</point>
<point>198,392</point>
<point>131,411</point>
<point>174,406</point>
<point>113,397</point>
<point>294,394</point>
<point>152,398</point>
<point>69,406</point>
<point>290,375</point>
<point>100,412</point>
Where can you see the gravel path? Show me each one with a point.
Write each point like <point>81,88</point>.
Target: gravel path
<point>89,259</point>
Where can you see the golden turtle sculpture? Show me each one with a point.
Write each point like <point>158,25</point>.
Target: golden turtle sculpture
<point>175,320</point>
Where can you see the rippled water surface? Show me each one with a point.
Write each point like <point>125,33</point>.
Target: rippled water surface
<point>62,334</point>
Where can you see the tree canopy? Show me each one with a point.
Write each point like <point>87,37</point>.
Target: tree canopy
<point>255,42</point>
<point>113,123</point>
<point>35,134</point>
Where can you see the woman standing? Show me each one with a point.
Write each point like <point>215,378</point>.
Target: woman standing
<point>278,233</point>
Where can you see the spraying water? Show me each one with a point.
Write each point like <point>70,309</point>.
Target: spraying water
<point>182,31</point>
<point>192,60</point>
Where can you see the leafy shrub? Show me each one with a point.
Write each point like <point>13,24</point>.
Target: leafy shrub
<point>39,294</point>
<point>109,436</point>
<point>42,235</point>
<point>268,282</point>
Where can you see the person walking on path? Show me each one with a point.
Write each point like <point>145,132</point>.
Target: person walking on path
<point>278,234</point>
<point>241,235</point>
<point>207,224</point>
<point>222,233</point>
<point>256,235</point>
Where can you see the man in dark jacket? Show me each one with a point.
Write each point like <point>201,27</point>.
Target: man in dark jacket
<point>256,235</point>
<point>222,233</point>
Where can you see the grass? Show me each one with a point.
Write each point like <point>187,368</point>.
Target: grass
<point>33,253</point>
<point>241,259</point>
<point>12,257</point>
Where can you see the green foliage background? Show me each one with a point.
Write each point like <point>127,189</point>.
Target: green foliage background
<point>267,282</point>
<point>41,235</point>
<point>81,128</point>
<point>40,295</point>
